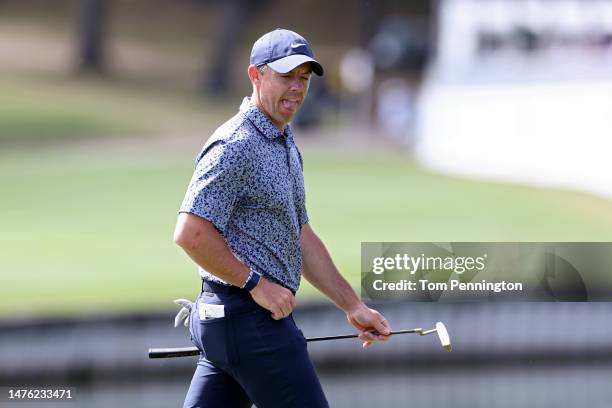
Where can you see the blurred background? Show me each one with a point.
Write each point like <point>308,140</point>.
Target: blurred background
<point>450,120</point>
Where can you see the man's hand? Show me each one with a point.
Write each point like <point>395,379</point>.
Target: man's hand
<point>372,325</point>
<point>276,298</point>
<point>183,315</point>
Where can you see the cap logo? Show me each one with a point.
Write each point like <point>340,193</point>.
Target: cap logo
<point>297,45</point>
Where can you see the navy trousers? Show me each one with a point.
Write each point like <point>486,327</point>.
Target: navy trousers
<point>249,358</point>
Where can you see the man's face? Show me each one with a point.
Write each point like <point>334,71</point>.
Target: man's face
<point>282,95</point>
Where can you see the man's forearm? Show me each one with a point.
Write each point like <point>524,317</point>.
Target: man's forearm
<point>206,247</point>
<point>320,271</point>
<point>203,243</point>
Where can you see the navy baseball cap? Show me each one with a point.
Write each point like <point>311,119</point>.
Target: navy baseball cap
<point>283,50</point>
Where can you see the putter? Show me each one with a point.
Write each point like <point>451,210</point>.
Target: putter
<point>440,329</point>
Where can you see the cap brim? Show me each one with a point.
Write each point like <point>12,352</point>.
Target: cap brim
<point>289,63</point>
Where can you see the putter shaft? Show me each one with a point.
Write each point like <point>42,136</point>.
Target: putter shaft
<point>193,351</point>
<point>354,336</point>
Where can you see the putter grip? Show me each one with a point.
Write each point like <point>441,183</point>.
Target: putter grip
<point>173,352</point>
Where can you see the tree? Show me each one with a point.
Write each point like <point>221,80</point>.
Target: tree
<point>92,16</point>
<point>237,14</point>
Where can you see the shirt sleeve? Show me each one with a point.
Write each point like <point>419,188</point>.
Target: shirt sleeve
<point>217,183</point>
<point>303,214</point>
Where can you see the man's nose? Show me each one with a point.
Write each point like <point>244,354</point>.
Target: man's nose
<point>297,85</point>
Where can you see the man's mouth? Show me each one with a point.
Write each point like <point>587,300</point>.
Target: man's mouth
<point>290,103</point>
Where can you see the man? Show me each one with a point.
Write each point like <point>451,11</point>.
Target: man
<point>244,222</point>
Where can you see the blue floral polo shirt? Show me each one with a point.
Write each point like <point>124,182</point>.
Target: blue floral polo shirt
<point>248,183</point>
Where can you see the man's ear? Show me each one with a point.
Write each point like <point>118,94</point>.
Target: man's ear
<point>253,74</point>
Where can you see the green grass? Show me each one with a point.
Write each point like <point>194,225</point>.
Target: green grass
<point>44,109</point>
<point>93,231</point>
<point>386,198</point>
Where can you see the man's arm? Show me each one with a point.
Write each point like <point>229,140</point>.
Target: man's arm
<point>206,247</point>
<point>320,271</point>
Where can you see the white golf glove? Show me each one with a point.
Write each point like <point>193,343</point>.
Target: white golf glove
<point>183,315</point>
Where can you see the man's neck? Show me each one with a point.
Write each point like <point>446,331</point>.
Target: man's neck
<point>257,103</point>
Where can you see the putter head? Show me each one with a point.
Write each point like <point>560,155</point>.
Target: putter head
<point>443,336</point>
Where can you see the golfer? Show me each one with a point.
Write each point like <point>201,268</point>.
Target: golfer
<point>244,222</point>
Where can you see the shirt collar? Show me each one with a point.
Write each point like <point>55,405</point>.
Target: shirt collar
<point>262,121</point>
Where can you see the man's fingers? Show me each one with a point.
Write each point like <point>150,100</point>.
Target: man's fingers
<point>283,311</point>
<point>372,337</point>
<point>284,305</point>
<point>275,298</point>
<point>368,336</point>
<point>278,314</point>
<point>371,324</point>
<point>293,302</point>
<point>382,326</point>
